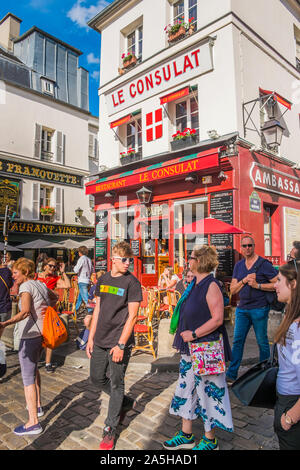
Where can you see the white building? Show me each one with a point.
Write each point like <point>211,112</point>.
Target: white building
<point>236,49</point>
<point>228,70</point>
<point>48,138</point>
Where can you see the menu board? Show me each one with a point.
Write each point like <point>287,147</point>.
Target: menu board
<point>135,246</point>
<point>9,196</point>
<point>221,208</point>
<point>101,241</point>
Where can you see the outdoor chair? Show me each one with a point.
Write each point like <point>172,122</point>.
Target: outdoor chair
<point>70,304</point>
<point>61,292</point>
<point>173,297</point>
<point>143,314</point>
<point>144,333</point>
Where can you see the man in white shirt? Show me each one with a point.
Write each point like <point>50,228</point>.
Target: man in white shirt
<point>84,270</point>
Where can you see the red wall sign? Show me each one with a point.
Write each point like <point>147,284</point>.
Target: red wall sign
<point>175,96</point>
<point>120,122</point>
<point>274,181</point>
<point>160,173</point>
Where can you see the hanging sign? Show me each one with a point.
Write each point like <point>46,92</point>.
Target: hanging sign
<point>274,181</point>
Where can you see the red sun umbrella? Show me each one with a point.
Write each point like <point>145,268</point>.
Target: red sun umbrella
<point>209,226</point>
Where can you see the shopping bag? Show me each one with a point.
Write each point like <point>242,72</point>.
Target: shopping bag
<point>54,330</point>
<point>257,386</point>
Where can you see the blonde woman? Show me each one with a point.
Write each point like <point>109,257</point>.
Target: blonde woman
<point>201,320</point>
<point>35,297</point>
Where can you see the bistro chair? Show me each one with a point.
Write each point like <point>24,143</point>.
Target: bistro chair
<point>74,281</point>
<point>163,309</point>
<point>173,297</point>
<point>61,292</point>
<point>144,333</point>
<point>70,304</point>
<point>143,314</point>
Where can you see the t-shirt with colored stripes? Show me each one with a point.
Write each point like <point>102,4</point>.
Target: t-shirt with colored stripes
<point>115,293</point>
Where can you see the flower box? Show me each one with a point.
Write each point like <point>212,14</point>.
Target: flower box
<point>178,35</point>
<point>130,62</point>
<point>183,143</point>
<point>132,157</point>
<point>46,210</point>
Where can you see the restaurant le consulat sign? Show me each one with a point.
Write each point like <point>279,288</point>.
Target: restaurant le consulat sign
<point>184,67</point>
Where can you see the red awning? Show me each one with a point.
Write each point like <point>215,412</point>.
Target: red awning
<point>277,97</point>
<point>209,226</point>
<point>120,122</point>
<point>176,95</point>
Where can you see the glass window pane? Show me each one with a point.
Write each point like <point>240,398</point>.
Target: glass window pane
<point>131,43</point>
<point>179,10</point>
<point>181,109</point>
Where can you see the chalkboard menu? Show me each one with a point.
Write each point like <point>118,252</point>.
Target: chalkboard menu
<point>135,246</point>
<point>221,208</point>
<point>101,241</point>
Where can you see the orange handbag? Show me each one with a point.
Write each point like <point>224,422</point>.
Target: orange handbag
<point>54,330</point>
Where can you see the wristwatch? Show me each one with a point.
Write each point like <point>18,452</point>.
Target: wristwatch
<point>288,419</point>
<point>194,335</point>
<point>121,346</point>
<point>259,286</point>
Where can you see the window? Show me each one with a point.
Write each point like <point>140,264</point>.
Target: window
<point>46,201</point>
<point>298,55</point>
<point>186,212</point>
<point>187,115</point>
<point>185,10</point>
<point>93,147</point>
<point>47,196</point>
<point>268,230</point>
<point>134,135</point>
<point>47,87</point>
<point>135,43</point>
<point>47,145</point>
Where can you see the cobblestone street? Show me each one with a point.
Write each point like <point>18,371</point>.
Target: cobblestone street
<point>75,413</point>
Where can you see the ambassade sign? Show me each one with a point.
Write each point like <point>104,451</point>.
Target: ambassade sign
<point>274,181</point>
<point>186,66</point>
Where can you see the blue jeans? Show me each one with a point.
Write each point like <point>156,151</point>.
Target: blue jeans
<point>83,294</point>
<point>244,319</point>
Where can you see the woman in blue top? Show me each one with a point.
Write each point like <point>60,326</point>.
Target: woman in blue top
<point>287,337</point>
<point>201,319</point>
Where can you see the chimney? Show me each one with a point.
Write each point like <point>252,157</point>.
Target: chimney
<point>9,30</point>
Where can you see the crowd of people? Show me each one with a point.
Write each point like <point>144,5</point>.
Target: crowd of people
<point>112,304</point>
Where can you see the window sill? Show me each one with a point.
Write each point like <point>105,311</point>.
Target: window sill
<point>176,38</point>
<point>183,143</point>
<point>131,158</point>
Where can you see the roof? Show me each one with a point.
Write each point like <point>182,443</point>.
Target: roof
<point>53,38</point>
<point>106,12</point>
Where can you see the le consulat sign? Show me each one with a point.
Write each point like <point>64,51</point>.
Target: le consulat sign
<point>39,173</point>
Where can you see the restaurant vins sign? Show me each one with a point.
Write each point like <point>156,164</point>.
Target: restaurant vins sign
<point>274,181</point>
<point>191,64</point>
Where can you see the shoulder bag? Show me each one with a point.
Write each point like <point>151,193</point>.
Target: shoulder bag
<point>208,357</point>
<point>257,386</point>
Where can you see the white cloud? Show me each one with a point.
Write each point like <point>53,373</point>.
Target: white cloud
<point>80,14</point>
<point>95,75</point>
<point>92,59</point>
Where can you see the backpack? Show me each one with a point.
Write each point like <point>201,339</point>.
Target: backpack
<point>54,330</point>
<point>271,297</point>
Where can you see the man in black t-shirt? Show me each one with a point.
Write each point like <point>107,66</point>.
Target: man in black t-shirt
<point>118,296</point>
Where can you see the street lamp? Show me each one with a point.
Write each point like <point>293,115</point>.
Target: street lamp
<point>272,131</point>
<point>78,214</point>
<point>144,195</point>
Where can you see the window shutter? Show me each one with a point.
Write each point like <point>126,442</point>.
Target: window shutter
<point>38,141</point>
<point>96,149</point>
<point>91,142</point>
<point>35,201</point>
<point>60,147</point>
<point>58,200</point>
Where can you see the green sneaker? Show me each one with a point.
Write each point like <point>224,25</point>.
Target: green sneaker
<point>207,444</point>
<point>180,441</point>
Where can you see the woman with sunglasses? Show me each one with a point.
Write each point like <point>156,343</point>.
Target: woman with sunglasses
<point>287,337</point>
<point>49,277</point>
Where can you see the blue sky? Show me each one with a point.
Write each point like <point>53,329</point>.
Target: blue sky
<point>66,20</point>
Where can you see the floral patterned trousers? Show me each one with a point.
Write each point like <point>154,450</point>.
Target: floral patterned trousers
<point>204,397</point>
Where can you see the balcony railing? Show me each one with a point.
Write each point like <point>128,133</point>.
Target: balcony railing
<point>46,156</point>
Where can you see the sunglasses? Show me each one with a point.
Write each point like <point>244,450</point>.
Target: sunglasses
<point>124,260</point>
<point>248,245</point>
<point>294,261</point>
<point>52,266</point>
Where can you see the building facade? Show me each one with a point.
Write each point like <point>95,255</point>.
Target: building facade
<point>48,138</point>
<point>220,76</point>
